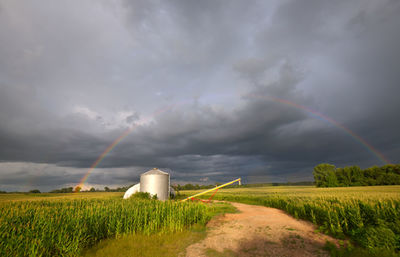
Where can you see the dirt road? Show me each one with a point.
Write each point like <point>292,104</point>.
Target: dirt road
<point>259,231</point>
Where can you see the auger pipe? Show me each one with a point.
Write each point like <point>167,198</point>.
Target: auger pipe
<point>212,189</point>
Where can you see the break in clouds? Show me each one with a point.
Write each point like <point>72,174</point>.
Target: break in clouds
<point>197,81</point>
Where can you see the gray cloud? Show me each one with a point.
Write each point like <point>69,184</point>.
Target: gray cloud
<point>203,85</point>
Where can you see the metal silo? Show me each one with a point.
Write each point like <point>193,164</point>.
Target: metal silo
<point>154,182</point>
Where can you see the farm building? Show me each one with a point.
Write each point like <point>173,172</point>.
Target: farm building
<point>155,182</point>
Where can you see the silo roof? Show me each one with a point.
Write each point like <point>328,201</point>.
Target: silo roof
<point>155,171</point>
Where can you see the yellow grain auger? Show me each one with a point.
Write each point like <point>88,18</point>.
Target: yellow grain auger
<point>210,190</point>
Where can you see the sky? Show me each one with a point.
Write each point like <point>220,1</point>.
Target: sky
<point>209,91</point>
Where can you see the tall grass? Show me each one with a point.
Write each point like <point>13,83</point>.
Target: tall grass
<point>65,227</point>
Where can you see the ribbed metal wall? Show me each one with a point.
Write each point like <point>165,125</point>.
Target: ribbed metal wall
<point>155,182</point>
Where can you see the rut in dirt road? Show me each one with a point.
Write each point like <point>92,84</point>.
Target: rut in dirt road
<point>260,231</point>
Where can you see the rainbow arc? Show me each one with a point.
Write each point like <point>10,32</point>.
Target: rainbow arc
<point>317,114</point>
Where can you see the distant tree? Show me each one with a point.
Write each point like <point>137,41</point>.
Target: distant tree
<point>63,190</point>
<point>107,189</point>
<point>391,168</point>
<point>120,189</point>
<point>35,191</point>
<point>179,187</point>
<point>355,176</point>
<point>347,176</point>
<point>3,192</point>
<point>331,179</point>
<point>92,189</point>
<point>324,175</point>
<point>340,176</point>
<point>77,189</point>
<point>188,187</point>
<point>389,179</point>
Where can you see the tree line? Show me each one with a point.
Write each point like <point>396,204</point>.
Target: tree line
<point>92,189</point>
<point>179,187</point>
<point>327,175</point>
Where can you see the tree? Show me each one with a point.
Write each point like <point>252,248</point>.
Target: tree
<point>331,179</point>
<point>324,175</point>
<point>341,177</point>
<point>107,189</point>
<point>35,191</point>
<point>92,189</point>
<point>77,189</point>
<point>347,175</point>
<point>62,190</point>
<point>357,176</point>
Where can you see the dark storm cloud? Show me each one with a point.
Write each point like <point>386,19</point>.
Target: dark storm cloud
<point>198,82</point>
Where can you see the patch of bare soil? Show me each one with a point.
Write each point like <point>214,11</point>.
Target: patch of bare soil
<point>259,231</point>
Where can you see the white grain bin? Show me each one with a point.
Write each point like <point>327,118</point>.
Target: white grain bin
<point>132,190</point>
<point>155,182</point>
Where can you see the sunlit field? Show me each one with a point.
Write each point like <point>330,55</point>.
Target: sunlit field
<point>365,192</point>
<point>53,196</point>
<point>64,225</point>
<point>369,216</point>
<point>74,223</point>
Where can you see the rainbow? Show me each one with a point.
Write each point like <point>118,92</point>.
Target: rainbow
<point>111,147</point>
<point>101,157</point>
<point>356,137</point>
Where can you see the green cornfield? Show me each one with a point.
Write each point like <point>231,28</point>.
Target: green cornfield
<point>65,224</point>
<point>64,227</point>
<point>368,216</point>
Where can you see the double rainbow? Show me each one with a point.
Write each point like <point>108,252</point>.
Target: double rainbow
<point>353,135</point>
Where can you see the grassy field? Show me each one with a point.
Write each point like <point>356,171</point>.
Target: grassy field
<point>102,223</point>
<point>160,245</point>
<point>52,196</point>
<point>369,216</point>
<point>65,224</point>
<point>364,193</point>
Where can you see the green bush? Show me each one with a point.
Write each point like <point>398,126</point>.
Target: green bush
<point>376,238</point>
<point>141,195</point>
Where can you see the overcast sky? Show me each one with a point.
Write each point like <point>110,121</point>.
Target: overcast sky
<point>212,90</point>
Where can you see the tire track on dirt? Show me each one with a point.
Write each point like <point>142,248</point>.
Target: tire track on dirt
<point>260,231</point>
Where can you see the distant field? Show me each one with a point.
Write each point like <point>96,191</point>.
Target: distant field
<point>365,192</point>
<point>52,196</point>
<point>370,216</point>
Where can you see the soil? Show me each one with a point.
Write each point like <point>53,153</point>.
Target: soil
<point>260,231</point>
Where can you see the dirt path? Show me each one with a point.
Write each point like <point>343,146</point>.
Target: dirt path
<point>259,231</point>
